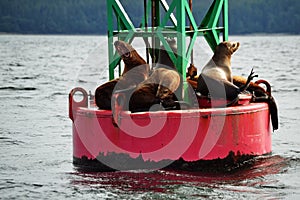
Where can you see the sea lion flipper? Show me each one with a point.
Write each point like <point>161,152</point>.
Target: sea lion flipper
<point>273,112</point>
<point>251,76</point>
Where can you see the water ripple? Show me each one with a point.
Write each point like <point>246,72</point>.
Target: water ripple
<point>17,88</point>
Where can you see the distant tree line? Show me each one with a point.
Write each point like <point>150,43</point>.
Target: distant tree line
<point>89,16</point>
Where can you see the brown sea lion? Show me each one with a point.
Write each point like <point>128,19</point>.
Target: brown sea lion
<point>164,60</point>
<point>159,88</point>
<point>135,71</point>
<point>161,85</point>
<point>216,76</point>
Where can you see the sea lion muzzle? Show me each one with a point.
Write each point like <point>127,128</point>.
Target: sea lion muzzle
<point>122,49</point>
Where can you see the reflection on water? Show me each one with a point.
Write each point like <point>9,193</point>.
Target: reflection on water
<point>246,181</point>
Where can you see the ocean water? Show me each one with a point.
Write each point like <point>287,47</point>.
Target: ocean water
<point>37,73</point>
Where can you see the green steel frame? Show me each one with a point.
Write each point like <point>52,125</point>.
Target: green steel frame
<point>209,28</point>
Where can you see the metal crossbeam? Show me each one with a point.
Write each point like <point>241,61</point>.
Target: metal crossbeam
<point>159,30</point>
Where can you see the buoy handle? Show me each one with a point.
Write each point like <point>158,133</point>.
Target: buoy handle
<point>73,104</point>
<point>267,84</point>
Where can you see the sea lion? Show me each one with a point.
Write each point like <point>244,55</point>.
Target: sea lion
<point>160,87</point>
<point>261,95</point>
<point>216,76</point>
<point>135,71</point>
<point>164,60</point>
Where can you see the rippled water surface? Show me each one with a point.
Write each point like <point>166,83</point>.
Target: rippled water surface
<point>37,73</point>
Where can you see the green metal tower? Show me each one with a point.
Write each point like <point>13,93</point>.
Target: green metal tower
<point>183,26</point>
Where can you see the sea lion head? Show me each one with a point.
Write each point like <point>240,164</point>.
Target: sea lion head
<point>227,47</point>
<point>164,59</point>
<point>163,92</point>
<point>169,81</point>
<point>124,49</point>
<point>173,45</point>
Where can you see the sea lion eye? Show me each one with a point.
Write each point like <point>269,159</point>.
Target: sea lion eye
<point>127,54</point>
